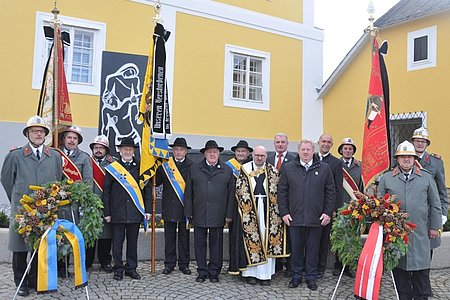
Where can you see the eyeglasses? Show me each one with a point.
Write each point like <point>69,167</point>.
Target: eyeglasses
<point>37,131</point>
<point>420,141</point>
<point>260,155</point>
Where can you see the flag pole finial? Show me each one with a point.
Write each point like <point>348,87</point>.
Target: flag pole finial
<point>371,10</point>
<point>157,7</point>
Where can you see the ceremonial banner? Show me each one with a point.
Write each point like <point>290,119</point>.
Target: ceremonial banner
<point>375,152</point>
<point>370,265</point>
<point>154,109</point>
<point>51,86</point>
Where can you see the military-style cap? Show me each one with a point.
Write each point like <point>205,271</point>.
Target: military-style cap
<point>421,133</point>
<point>36,121</point>
<point>75,129</point>
<point>346,141</point>
<point>101,140</point>
<point>405,148</point>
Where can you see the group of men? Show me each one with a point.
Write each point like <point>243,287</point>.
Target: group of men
<point>37,164</point>
<point>278,208</point>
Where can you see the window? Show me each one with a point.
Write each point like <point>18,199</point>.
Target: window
<point>82,60</point>
<point>422,49</point>
<point>402,127</point>
<point>247,78</point>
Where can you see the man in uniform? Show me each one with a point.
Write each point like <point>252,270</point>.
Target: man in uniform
<point>173,175</point>
<point>100,159</point>
<point>306,197</point>
<point>77,165</point>
<point>417,193</point>
<point>325,143</point>
<point>236,247</point>
<point>209,195</point>
<point>277,159</point>
<point>352,179</point>
<point>32,164</point>
<point>125,207</point>
<point>262,229</point>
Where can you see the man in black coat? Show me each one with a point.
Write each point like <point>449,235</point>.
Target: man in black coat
<point>306,201</point>
<point>173,175</point>
<point>208,195</point>
<point>122,210</point>
<point>325,143</point>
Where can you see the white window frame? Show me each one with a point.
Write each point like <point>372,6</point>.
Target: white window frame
<point>228,99</point>
<point>40,51</point>
<point>431,32</point>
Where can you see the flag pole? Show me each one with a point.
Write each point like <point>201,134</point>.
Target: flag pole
<point>55,117</point>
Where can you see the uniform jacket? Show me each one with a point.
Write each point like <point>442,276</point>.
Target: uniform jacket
<point>21,169</point>
<point>209,195</point>
<point>117,202</point>
<point>306,195</point>
<point>271,158</point>
<point>355,172</point>
<point>107,231</point>
<point>419,198</point>
<point>335,165</point>
<point>435,166</point>
<point>83,162</point>
<point>172,209</point>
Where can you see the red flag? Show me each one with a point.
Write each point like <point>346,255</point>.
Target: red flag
<point>50,87</point>
<point>375,152</point>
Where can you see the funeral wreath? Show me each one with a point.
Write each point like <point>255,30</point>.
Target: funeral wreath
<point>38,212</point>
<point>352,220</point>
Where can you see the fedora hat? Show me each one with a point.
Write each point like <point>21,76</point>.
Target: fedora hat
<point>242,144</point>
<point>211,144</point>
<point>180,142</point>
<point>128,142</point>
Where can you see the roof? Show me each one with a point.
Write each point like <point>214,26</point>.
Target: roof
<point>403,11</point>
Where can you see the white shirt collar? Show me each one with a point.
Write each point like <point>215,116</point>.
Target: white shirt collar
<point>41,147</point>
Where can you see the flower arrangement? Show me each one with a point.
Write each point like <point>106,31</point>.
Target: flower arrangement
<point>39,211</point>
<point>352,220</point>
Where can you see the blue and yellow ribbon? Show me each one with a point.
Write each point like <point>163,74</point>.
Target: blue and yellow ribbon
<point>234,165</point>
<point>48,256</point>
<point>175,178</point>
<point>130,185</point>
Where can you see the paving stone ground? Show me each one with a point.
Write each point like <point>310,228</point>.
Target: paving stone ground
<point>180,286</point>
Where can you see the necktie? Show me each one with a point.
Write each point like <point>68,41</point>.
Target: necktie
<point>38,155</point>
<point>99,161</point>
<point>127,164</point>
<point>406,176</point>
<point>279,162</point>
<point>321,157</point>
<point>306,167</point>
<point>68,152</point>
<point>348,164</point>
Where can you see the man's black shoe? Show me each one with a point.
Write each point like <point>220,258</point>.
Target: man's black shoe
<point>251,280</point>
<point>294,283</point>
<point>23,291</point>
<point>133,275</point>
<point>336,272</point>
<point>107,268</point>
<point>200,279</point>
<point>319,274</point>
<point>350,273</point>
<point>214,279</point>
<point>185,271</point>
<point>264,282</point>
<point>312,285</point>
<point>118,275</point>
<point>167,271</point>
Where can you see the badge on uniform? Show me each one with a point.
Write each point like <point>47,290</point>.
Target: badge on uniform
<point>317,173</point>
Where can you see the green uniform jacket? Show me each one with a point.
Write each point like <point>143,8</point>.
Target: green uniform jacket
<point>21,169</point>
<point>420,199</point>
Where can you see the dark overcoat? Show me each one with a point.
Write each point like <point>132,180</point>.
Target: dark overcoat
<point>172,209</point>
<point>306,195</point>
<point>118,203</point>
<point>355,171</point>
<point>335,165</point>
<point>209,194</point>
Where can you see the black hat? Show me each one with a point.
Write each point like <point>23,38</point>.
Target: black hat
<point>242,144</point>
<point>181,142</point>
<point>128,142</point>
<point>211,144</point>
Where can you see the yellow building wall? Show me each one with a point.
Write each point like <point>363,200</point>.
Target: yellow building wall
<point>291,10</point>
<point>410,91</point>
<point>198,102</point>
<point>17,28</point>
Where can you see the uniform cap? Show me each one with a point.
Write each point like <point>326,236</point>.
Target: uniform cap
<point>346,141</point>
<point>36,121</point>
<point>101,140</point>
<point>421,133</point>
<point>405,148</point>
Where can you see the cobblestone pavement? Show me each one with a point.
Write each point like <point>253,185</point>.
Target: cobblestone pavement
<point>180,286</point>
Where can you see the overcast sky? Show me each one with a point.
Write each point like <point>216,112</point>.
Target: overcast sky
<point>343,22</point>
